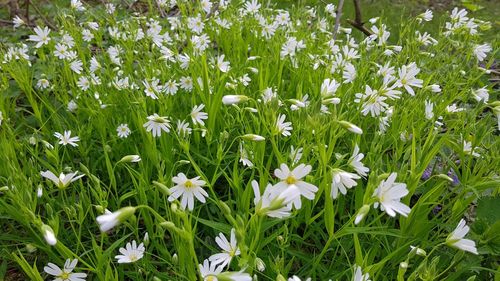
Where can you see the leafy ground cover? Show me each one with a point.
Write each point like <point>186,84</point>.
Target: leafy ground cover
<point>243,140</point>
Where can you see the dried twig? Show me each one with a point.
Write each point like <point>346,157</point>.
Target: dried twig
<point>358,21</point>
<point>337,19</point>
<point>40,13</point>
<point>27,15</point>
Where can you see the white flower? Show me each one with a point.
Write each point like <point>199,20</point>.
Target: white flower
<point>468,149</point>
<point>77,5</point>
<point>188,189</point>
<point>109,220</point>
<point>1,118</point>
<point>229,250</point>
<point>480,51</point>
<point>186,83</point>
<point>234,99</point>
<point>429,114</point>
<point>156,124</point>
<point>72,106</point>
<point>329,87</point>
<point>274,202</point>
<point>283,127</point>
<point>123,131</point>
<point>389,194</point>
<point>42,83</point>
<point>456,239</point>
<point>407,78</point>
<point>17,21</point>
<point>41,37</point>
<point>244,157</point>
<point>49,235</point>
<point>358,274</point>
<point>152,88</point>
<point>222,65</point>
<point>131,253</point>
<point>170,87</point>
<point>355,162</point>
<point>67,139</point>
<point>373,102</point>
<point>426,16</point>
<point>481,95</point>
<point>65,274</point>
<point>342,180</point>
<point>252,7</point>
<point>198,116</point>
<point>63,180</point>
<point>206,5</point>
<point>293,178</point>
<point>209,271</point>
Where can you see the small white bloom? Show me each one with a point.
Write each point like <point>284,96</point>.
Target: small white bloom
<point>63,180</point>
<point>187,189</point>
<point>480,51</point>
<point>283,127</point>
<point>123,131</point>
<point>67,139</point>
<point>229,250</point>
<point>389,194</point>
<point>156,124</point>
<point>49,235</point>
<point>65,274</point>
<point>359,275</point>
<point>198,116</point>
<point>41,37</point>
<point>131,253</point>
<point>294,178</point>
<point>341,180</point>
<point>456,239</point>
<point>109,220</point>
<point>234,99</point>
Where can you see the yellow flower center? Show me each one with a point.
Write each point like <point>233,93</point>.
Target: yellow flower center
<point>188,184</point>
<point>209,278</point>
<point>64,276</point>
<point>133,257</point>
<point>291,179</point>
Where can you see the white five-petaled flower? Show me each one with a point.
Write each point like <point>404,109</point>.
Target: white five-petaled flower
<point>66,138</point>
<point>355,162</point>
<point>198,116</point>
<point>63,180</point>
<point>283,127</point>
<point>41,37</point>
<point>407,78</point>
<point>17,21</point>
<point>456,238</point>
<point>293,178</point>
<point>131,253</point>
<point>389,194</point>
<point>223,66</point>
<point>229,250</point>
<point>188,189</point>
<point>342,180</point>
<point>480,51</point>
<point>329,87</point>
<point>274,202</point>
<point>209,271</point>
<point>156,124</point>
<point>65,274</point>
<point>123,131</point>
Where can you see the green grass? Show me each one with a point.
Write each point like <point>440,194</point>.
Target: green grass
<point>444,181</point>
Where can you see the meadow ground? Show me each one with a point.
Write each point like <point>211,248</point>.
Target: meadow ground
<point>249,140</point>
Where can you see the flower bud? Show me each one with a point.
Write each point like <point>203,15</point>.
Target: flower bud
<point>48,234</point>
<point>146,239</point>
<point>351,127</point>
<point>130,158</point>
<point>234,99</point>
<point>260,265</point>
<point>252,137</point>
<point>362,214</point>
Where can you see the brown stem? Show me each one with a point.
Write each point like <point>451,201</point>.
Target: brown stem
<point>337,19</point>
<point>358,20</point>
<point>40,13</point>
<point>28,11</point>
